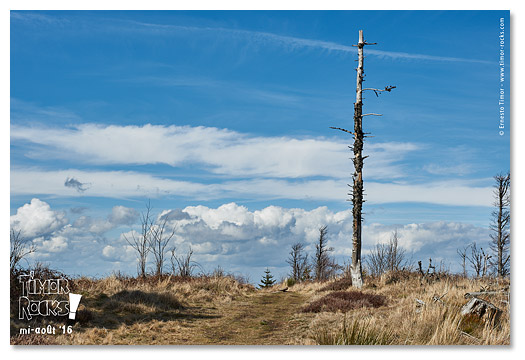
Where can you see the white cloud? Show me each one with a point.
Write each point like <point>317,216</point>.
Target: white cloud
<point>37,218</point>
<point>121,215</point>
<point>442,193</point>
<point>414,237</point>
<point>276,167</point>
<point>52,234</point>
<point>220,151</point>
<point>54,244</point>
<point>231,235</point>
<point>118,253</point>
<point>229,213</point>
<point>113,184</point>
<point>237,238</point>
<point>119,184</point>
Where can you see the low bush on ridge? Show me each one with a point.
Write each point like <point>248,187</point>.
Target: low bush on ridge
<point>338,285</point>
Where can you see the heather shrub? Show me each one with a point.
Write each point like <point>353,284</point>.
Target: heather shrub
<point>345,301</point>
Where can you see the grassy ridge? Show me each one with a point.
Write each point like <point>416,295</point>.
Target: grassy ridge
<point>221,310</point>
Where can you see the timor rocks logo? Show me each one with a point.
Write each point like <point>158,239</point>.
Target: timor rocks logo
<point>31,287</point>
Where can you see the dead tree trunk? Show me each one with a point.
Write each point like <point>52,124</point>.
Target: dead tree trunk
<point>357,187</point>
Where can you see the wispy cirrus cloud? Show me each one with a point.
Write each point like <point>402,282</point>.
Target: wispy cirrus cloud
<point>23,112</point>
<point>37,18</point>
<point>291,42</point>
<point>250,36</point>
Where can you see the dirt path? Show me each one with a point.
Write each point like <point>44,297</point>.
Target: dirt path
<point>261,319</point>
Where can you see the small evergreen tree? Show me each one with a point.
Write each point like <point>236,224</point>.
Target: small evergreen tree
<point>267,280</point>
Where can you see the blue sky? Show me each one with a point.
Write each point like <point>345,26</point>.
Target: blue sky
<point>222,120</point>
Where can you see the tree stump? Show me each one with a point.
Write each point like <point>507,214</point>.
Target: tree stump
<point>483,309</point>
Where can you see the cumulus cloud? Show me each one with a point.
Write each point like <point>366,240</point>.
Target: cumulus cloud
<point>54,236</point>
<point>415,237</point>
<point>120,215</point>
<point>37,218</point>
<point>53,244</point>
<point>232,235</point>
<point>118,253</point>
<point>237,238</point>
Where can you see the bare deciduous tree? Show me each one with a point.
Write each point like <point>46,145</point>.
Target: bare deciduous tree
<point>140,243</point>
<point>478,260</point>
<point>357,188</point>
<point>20,248</point>
<point>396,256</point>
<point>298,260</point>
<point>500,236</point>
<point>386,257</point>
<point>376,260</point>
<point>324,265</point>
<point>159,240</point>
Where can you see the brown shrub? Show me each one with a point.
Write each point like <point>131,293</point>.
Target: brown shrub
<point>338,285</point>
<point>345,301</point>
<point>84,316</point>
<point>161,301</point>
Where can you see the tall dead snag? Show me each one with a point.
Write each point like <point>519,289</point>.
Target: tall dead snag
<point>500,225</point>
<point>357,187</point>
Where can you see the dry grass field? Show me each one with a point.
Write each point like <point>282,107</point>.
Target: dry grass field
<point>220,310</point>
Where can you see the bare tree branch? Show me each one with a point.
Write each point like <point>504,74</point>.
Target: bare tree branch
<point>336,128</point>
<point>20,248</point>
